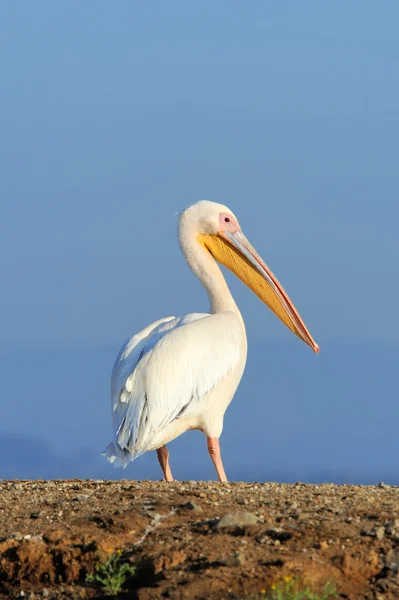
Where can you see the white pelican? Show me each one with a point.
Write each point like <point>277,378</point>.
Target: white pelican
<point>181,373</point>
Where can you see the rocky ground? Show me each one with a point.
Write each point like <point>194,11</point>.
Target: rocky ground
<point>197,540</point>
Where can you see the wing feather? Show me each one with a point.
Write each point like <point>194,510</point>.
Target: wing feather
<point>163,372</point>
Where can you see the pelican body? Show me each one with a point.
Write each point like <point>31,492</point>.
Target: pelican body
<point>181,373</point>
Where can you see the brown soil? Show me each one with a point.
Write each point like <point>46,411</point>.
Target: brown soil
<point>53,533</point>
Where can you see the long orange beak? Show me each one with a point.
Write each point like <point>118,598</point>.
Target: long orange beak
<point>234,251</point>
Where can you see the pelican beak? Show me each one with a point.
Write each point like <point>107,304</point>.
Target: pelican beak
<point>233,250</point>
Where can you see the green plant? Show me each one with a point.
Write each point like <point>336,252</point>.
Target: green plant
<point>111,574</point>
<point>293,589</point>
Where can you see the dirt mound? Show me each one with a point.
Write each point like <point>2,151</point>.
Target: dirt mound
<point>197,540</point>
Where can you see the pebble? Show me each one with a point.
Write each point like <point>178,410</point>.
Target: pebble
<point>380,533</point>
<point>237,519</point>
<point>192,506</point>
<point>262,540</point>
<point>384,585</point>
<point>392,559</point>
<point>374,512</point>
<point>278,534</point>
<point>323,545</point>
<point>235,560</point>
<point>81,497</point>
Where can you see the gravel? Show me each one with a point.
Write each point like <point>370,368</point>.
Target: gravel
<point>194,540</point>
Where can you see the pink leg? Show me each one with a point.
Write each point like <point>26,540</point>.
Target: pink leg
<point>163,457</point>
<point>214,453</point>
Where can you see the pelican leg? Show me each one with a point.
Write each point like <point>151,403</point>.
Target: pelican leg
<point>163,457</point>
<point>214,453</point>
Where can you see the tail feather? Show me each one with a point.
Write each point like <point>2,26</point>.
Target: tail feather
<point>117,456</point>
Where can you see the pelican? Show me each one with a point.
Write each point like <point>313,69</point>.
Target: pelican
<point>181,373</point>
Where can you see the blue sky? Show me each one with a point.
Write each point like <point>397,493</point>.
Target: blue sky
<point>116,116</point>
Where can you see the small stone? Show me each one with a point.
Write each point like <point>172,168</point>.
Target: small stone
<point>236,560</point>
<point>192,506</point>
<point>384,585</point>
<point>392,559</point>
<point>148,511</point>
<point>262,540</point>
<point>36,515</point>
<point>237,519</point>
<point>278,534</point>
<point>17,536</point>
<point>45,593</point>
<point>242,501</point>
<point>323,545</point>
<point>81,497</point>
<point>368,532</point>
<point>379,533</point>
<point>393,526</point>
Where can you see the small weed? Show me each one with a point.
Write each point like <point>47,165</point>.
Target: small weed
<point>293,589</point>
<point>111,574</point>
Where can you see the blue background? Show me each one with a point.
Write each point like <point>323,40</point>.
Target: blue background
<point>114,117</point>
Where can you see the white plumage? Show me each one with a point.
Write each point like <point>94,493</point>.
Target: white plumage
<point>163,376</point>
<point>180,373</point>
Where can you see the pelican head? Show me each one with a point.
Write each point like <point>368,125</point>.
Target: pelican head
<point>218,231</point>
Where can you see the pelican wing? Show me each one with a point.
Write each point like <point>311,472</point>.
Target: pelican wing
<point>163,372</point>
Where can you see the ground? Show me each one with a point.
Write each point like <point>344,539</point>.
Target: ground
<point>185,544</point>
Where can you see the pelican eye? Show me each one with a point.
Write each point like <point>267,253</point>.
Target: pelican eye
<point>226,220</point>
